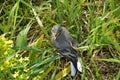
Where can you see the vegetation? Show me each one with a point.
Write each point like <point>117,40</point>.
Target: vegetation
<point>26,52</point>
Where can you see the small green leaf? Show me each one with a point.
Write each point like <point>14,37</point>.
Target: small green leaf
<point>21,41</point>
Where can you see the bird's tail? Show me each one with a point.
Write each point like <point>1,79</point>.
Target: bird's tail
<point>74,70</point>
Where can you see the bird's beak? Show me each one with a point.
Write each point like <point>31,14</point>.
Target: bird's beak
<point>55,35</point>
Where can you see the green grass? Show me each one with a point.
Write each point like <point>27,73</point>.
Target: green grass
<point>26,51</point>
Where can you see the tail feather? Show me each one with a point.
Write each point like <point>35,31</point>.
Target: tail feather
<point>79,66</point>
<point>73,69</point>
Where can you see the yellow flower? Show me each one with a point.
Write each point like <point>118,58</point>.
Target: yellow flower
<point>16,74</point>
<point>1,68</point>
<point>6,63</point>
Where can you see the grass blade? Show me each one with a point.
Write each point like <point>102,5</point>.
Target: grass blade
<point>110,60</point>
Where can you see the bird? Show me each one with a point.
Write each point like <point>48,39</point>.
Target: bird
<point>65,45</point>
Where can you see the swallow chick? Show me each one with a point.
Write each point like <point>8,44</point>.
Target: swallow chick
<point>64,43</point>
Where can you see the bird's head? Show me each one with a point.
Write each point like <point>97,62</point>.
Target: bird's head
<point>56,30</point>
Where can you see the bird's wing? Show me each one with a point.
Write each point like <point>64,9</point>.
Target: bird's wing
<point>69,54</point>
<point>69,38</point>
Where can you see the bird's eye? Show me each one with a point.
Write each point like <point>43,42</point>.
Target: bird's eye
<point>53,31</point>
